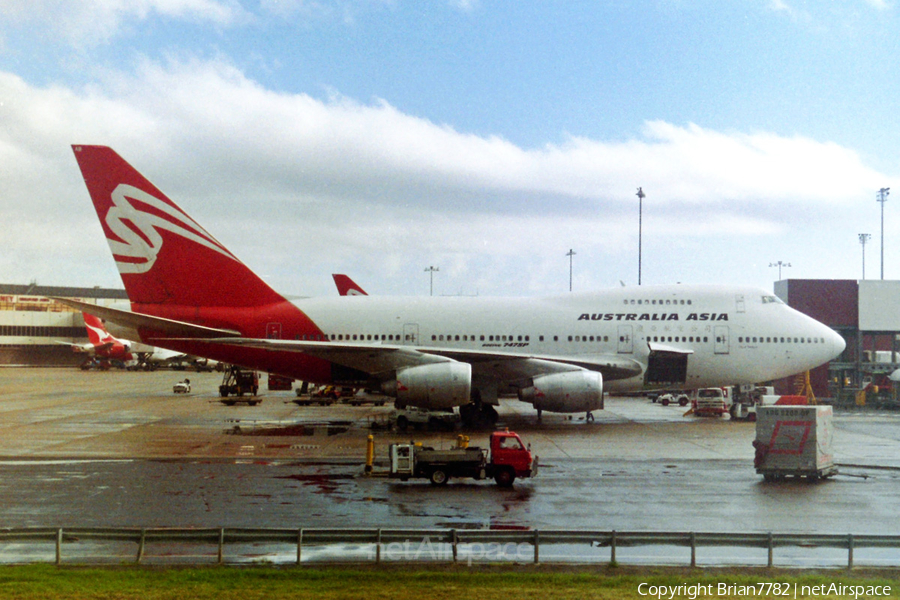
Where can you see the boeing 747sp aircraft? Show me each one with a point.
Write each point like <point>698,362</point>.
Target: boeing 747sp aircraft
<point>191,294</point>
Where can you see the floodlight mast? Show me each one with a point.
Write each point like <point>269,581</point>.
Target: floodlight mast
<point>863,238</point>
<point>431,271</point>
<point>641,195</point>
<point>779,264</point>
<point>570,254</point>
<point>882,198</point>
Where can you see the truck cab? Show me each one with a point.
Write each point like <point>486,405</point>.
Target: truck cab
<point>510,457</point>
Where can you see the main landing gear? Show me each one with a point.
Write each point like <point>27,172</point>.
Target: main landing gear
<point>477,415</point>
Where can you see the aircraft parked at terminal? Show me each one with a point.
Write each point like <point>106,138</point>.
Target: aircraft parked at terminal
<point>103,347</point>
<point>347,287</point>
<point>557,353</point>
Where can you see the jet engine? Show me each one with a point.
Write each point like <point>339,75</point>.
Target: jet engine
<point>572,392</point>
<point>439,385</point>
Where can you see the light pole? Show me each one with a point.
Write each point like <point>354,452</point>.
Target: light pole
<point>779,264</point>
<point>430,271</point>
<point>641,196</point>
<point>882,198</point>
<point>863,238</point>
<point>570,254</point>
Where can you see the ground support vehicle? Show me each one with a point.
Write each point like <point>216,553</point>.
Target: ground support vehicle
<point>361,397</point>
<point>680,398</point>
<point>277,383</point>
<point>182,387</point>
<point>794,441</point>
<point>421,418</point>
<point>238,382</point>
<point>711,402</point>
<point>747,401</point>
<point>507,459</point>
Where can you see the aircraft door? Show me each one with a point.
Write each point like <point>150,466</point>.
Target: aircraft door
<point>626,343</point>
<point>411,333</point>
<point>273,331</point>
<point>722,343</point>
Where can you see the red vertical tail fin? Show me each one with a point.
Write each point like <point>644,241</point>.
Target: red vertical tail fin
<point>96,330</point>
<point>163,255</point>
<point>347,287</point>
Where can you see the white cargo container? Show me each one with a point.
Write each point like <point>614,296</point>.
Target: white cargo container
<point>795,441</point>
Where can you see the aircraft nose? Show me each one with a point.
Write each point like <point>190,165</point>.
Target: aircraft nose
<point>838,344</point>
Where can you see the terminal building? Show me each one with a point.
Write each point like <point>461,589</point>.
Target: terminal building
<point>32,326</point>
<point>866,313</point>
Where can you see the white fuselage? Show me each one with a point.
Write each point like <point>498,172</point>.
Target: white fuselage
<point>733,335</point>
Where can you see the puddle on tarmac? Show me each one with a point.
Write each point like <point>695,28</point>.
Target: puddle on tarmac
<point>309,429</point>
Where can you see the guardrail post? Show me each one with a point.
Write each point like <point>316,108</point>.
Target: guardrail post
<point>537,547</point>
<point>299,544</point>
<point>849,550</point>
<point>693,549</point>
<point>140,553</point>
<point>454,542</point>
<point>59,540</point>
<point>378,547</point>
<point>771,550</point>
<point>612,547</point>
<point>221,554</point>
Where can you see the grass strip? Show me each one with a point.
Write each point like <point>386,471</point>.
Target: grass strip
<point>417,582</point>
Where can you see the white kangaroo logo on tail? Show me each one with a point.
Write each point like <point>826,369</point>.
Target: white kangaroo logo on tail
<point>146,245</point>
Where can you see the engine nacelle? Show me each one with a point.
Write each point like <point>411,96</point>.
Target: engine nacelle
<point>572,392</point>
<point>439,385</point>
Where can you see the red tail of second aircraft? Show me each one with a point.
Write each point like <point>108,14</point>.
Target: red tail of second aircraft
<point>96,330</point>
<point>346,286</point>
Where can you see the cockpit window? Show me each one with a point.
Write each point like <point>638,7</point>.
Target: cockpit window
<point>771,300</point>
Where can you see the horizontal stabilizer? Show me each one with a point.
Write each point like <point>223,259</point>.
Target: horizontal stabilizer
<point>138,320</point>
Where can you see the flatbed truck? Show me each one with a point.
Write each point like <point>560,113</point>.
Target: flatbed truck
<point>507,459</point>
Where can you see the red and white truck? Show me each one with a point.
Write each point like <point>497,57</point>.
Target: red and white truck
<point>507,459</point>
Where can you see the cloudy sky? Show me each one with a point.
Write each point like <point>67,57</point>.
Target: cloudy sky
<point>483,137</point>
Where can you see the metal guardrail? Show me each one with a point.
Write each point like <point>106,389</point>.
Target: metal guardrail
<point>449,539</point>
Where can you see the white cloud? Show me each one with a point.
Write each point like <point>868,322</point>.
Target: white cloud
<point>326,185</point>
<point>87,23</point>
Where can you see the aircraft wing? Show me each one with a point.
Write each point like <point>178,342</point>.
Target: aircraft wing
<point>380,358</point>
<point>517,366</point>
<point>136,320</point>
<point>369,358</point>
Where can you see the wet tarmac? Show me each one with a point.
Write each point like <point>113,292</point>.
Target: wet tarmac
<point>118,449</point>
